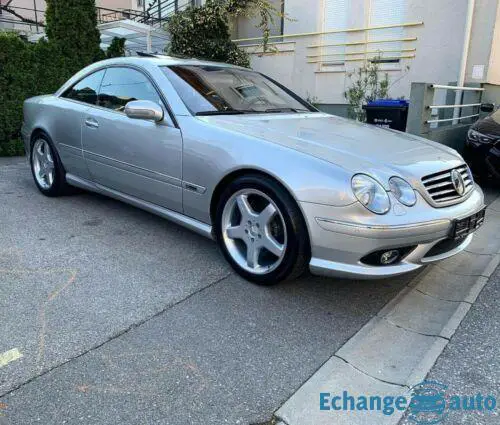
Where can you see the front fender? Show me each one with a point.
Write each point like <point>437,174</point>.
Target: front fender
<point>211,153</point>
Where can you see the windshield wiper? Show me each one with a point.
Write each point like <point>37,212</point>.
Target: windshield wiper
<point>225,112</point>
<point>286,110</point>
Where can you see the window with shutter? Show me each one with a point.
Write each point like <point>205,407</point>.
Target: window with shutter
<point>387,12</point>
<point>336,17</point>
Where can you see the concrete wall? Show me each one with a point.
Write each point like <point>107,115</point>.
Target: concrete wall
<point>423,95</point>
<point>494,65</point>
<point>491,94</point>
<point>438,47</point>
<point>247,28</point>
<point>482,40</point>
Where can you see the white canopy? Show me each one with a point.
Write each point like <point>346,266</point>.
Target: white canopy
<point>140,37</point>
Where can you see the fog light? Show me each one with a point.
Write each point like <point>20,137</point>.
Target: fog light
<point>389,257</point>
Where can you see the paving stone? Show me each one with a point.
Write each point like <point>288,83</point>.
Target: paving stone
<point>334,377</point>
<point>486,240</point>
<point>390,353</point>
<point>495,205</point>
<point>425,314</point>
<point>466,264</point>
<point>441,284</point>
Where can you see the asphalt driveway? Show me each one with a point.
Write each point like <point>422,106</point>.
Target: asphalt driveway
<point>119,316</point>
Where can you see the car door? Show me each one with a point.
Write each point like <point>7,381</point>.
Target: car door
<point>69,115</point>
<point>136,157</point>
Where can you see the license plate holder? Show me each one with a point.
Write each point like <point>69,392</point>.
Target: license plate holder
<point>465,226</point>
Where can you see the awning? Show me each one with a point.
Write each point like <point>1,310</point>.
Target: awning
<point>140,37</point>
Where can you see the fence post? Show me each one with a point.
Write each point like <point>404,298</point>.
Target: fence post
<point>36,15</point>
<point>421,97</point>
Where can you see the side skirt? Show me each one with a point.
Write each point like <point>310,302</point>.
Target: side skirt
<point>178,218</point>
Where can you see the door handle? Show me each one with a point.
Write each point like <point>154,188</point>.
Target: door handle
<point>92,123</point>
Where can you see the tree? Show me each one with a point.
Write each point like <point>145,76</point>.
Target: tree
<point>203,32</point>
<point>117,48</point>
<point>72,26</point>
<point>265,10</point>
<point>366,87</point>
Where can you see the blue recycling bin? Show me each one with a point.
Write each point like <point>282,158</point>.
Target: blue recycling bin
<point>387,113</point>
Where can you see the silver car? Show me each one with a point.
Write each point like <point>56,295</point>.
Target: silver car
<point>237,157</point>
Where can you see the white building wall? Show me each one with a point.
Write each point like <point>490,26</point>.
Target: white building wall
<point>494,63</point>
<point>437,56</point>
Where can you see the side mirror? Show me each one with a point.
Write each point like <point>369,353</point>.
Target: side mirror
<point>144,110</point>
<point>487,107</point>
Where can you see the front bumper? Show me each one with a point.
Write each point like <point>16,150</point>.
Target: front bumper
<point>342,236</point>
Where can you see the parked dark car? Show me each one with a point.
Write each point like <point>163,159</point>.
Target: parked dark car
<point>482,147</point>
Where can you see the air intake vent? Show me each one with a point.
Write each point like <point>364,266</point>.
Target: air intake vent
<point>441,187</point>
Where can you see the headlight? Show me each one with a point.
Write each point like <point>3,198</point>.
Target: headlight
<point>476,136</point>
<point>370,193</point>
<point>402,191</point>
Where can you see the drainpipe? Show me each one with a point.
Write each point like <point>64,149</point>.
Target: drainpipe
<point>465,55</point>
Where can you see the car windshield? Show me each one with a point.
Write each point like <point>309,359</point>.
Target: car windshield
<point>217,90</point>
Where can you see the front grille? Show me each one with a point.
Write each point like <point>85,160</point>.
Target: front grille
<point>440,187</point>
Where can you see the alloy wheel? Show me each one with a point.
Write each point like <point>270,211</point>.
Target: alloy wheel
<point>254,231</point>
<point>43,164</point>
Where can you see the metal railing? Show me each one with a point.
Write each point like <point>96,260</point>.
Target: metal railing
<point>159,11</point>
<point>456,107</point>
<point>434,112</point>
<point>156,14</point>
<point>18,15</point>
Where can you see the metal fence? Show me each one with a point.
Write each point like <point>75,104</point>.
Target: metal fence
<point>32,19</point>
<point>435,113</point>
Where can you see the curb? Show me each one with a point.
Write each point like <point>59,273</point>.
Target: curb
<point>397,348</point>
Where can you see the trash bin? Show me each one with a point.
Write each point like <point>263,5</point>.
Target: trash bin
<point>387,113</point>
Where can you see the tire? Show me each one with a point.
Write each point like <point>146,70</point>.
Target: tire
<point>57,185</point>
<point>239,235</point>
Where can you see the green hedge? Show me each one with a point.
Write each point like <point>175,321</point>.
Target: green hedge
<point>26,70</point>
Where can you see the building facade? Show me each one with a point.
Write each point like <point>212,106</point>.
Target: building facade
<point>320,43</point>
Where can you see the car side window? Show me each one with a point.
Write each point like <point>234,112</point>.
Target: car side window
<point>123,85</point>
<point>86,90</point>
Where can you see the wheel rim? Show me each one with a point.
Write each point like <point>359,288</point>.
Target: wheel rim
<point>43,164</point>
<point>254,231</point>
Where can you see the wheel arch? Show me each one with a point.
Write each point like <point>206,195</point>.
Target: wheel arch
<point>37,131</point>
<point>233,175</point>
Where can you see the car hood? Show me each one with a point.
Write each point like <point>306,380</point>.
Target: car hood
<point>346,143</point>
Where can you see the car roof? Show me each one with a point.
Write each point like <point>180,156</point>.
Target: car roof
<point>163,60</point>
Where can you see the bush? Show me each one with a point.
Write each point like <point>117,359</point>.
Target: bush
<point>28,70</point>
<point>16,84</point>
<point>72,26</point>
<point>117,48</point>
<point>203,32</point>
<point>366,86</point>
